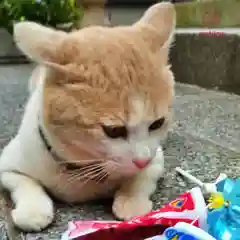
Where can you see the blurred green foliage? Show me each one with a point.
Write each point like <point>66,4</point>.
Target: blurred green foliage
<point>48,12</point>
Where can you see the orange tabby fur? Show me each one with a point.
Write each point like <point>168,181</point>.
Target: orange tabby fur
<point>91,91</point>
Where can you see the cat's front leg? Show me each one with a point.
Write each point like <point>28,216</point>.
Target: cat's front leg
<point>133,198</point>
<point>33,207</point>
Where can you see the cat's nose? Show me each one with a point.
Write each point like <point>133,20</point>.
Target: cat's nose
<point>142,162</point>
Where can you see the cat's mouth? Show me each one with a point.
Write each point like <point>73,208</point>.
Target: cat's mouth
<point>129,168</point>
<point>142,163</point>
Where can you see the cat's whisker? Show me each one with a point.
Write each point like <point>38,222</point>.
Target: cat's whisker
<point>86,174</point>
<point>89,162</point>
<point>87,180</point>
<point>97,172</point>
<point>73,173</point>
<point>101,164</point>
<point>99,179</point>
<point>104,175</point>
<point>84,167</point>
<point>79,170</point>
<point>79,177</point>
<point>93,177</point>
<point>84,162</point>
<point>112,169</point>
<point>95,168</point>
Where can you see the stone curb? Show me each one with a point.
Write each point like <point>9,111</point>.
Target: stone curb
<point>207,58</point>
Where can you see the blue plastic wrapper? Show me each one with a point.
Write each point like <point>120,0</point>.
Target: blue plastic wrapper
<point>224,223</point>
<point>183,231</point>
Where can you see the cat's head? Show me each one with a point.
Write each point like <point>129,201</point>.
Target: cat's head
<point>107,91</point>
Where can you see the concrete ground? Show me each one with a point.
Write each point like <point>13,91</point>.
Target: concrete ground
<point>204,139</point>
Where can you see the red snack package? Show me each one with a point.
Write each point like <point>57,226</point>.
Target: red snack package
<point>186,208</point>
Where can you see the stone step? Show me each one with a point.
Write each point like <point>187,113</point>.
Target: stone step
<point>210,58</point>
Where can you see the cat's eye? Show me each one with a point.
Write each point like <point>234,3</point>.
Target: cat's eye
<point>115,132</point>
<point>157,124</point>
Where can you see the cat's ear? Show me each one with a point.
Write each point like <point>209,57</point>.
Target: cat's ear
<point>37,41</point>
<point>41,44</point>
<point>157,25</point>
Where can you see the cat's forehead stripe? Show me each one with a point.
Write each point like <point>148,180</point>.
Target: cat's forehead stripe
<point>140,110</point>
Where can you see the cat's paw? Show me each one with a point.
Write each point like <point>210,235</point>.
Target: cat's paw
<point>33,216</point>
<point>126,208</point>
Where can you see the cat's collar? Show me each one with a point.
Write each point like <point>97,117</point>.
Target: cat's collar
<point>56,157</point>
<point>68,167</point>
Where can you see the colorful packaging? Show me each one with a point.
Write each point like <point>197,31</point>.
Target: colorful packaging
<point>186,208</point>
<point>183,231</point>
<point>224,221</point>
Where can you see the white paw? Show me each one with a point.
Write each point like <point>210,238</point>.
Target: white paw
<point>126,208</point>
<point>33,215</point>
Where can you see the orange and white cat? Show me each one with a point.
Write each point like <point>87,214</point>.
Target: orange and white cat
<point>99,106</point>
